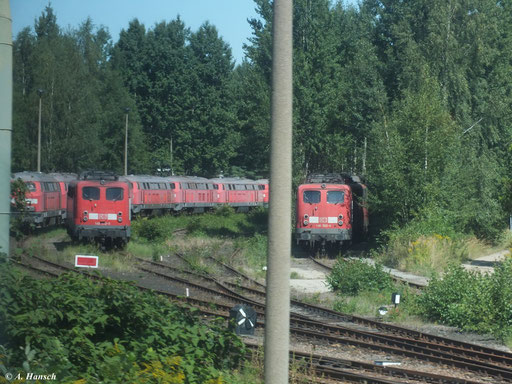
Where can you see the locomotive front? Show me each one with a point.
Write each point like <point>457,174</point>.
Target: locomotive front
<point>99,209</point>
<point>323,214</point>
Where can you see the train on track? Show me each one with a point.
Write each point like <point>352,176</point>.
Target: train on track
<point>331,210</point>
<point>100,205</point>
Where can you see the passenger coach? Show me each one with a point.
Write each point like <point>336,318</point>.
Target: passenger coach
<point>98,207</point>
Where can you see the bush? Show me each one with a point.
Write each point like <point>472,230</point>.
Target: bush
<point>349,277</point>
<point>471,301</point>
<point>107,332</point>
<point>150,229</point>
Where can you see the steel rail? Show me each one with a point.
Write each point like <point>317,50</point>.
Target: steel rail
<point>411,337</point>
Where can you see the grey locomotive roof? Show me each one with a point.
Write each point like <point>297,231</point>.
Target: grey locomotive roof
<point>64,176</point>
<point>234,180</point>
<point>196,179</point>
<point>34,176</point>
<point>145,179</point>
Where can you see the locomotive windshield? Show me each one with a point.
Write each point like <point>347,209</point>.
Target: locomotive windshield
<point>311,197</point>
<point>30,186</point>
<point>335,197</point>
<point>91,193</point>
<point>114,194</point>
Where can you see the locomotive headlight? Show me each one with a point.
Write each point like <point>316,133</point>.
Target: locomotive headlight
<point>306,222</point>
<point>340,223</point>
<point>119,219</point>
<point>85,219</point>
<point>340,217</point>
<point>306,216</point>
<point>120,214</point>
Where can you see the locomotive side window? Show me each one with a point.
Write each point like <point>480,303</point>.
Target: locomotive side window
<point>115,194</point>
<point>71,191</point>
<point>335,197</point>
<point>90,193</point>
<point>31,187</point>
<point>311,197</point>
<point>173,186</point>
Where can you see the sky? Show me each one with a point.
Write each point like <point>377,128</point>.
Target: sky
<point>229,16</point>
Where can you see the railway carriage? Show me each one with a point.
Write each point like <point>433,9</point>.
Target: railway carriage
<point>331,210</point>
<point>241,194</point>
<point>150,194</point>
<point>98,207</point>
<point>45,205</point>
<point>263,194</point>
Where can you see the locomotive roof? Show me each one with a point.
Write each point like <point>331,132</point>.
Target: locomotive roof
<point>188,178</point>
<point>98,175</point>
<point>332,178</point>
<point>34,176</point>
<point>234,180</point>
<point>64,176</point>
<point>145,178</point>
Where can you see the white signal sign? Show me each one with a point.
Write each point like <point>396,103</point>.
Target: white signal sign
<point>86,261</point>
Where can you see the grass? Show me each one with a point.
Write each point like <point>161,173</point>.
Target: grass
<point>295,275</point>
<point>238,239</point>
<point>426,255</point>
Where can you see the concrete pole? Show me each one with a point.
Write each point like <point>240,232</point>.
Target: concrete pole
<point>5,122</point>
<point>40,92</point>
<point>277,316</point>
<point>126,144</point>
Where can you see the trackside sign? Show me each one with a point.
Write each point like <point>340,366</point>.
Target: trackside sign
<point>86,261</point>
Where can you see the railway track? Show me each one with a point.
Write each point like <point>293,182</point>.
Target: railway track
<point>439,350</point>
<point>479,360</point>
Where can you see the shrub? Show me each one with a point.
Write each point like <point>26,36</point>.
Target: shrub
<point>107,332</point>
<point>471,301</point>
<point>150,229</point>
<point>352,276</point>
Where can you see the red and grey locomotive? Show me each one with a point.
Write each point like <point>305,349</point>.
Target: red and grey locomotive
<point>98,206</point>
<point>45,202</point>
<point>331,210</point>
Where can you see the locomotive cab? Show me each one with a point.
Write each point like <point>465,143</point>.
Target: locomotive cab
<point>331,210</point>
<point>99,209</point>
<point>324,213</point>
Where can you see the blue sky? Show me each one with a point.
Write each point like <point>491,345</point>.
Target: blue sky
<point>229,16</point>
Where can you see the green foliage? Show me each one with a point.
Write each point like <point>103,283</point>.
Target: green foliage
<point>471,301</point>
<point>18,225</point>
<point>108,331</point>
<point>349,277</point>
<point>150,229</point>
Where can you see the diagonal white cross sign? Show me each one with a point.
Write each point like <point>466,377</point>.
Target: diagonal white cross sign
<point>241,321</point>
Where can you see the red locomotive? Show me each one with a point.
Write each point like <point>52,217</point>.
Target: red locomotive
<point>242,194</point>
<point>98,205</point>
<point>98,208</point>
<point>150,194</point>
<point>331,210</point>
<point>46,204</point>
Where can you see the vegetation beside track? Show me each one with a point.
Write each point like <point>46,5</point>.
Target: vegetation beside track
<point>107,332</point>
<point>470,301</point>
